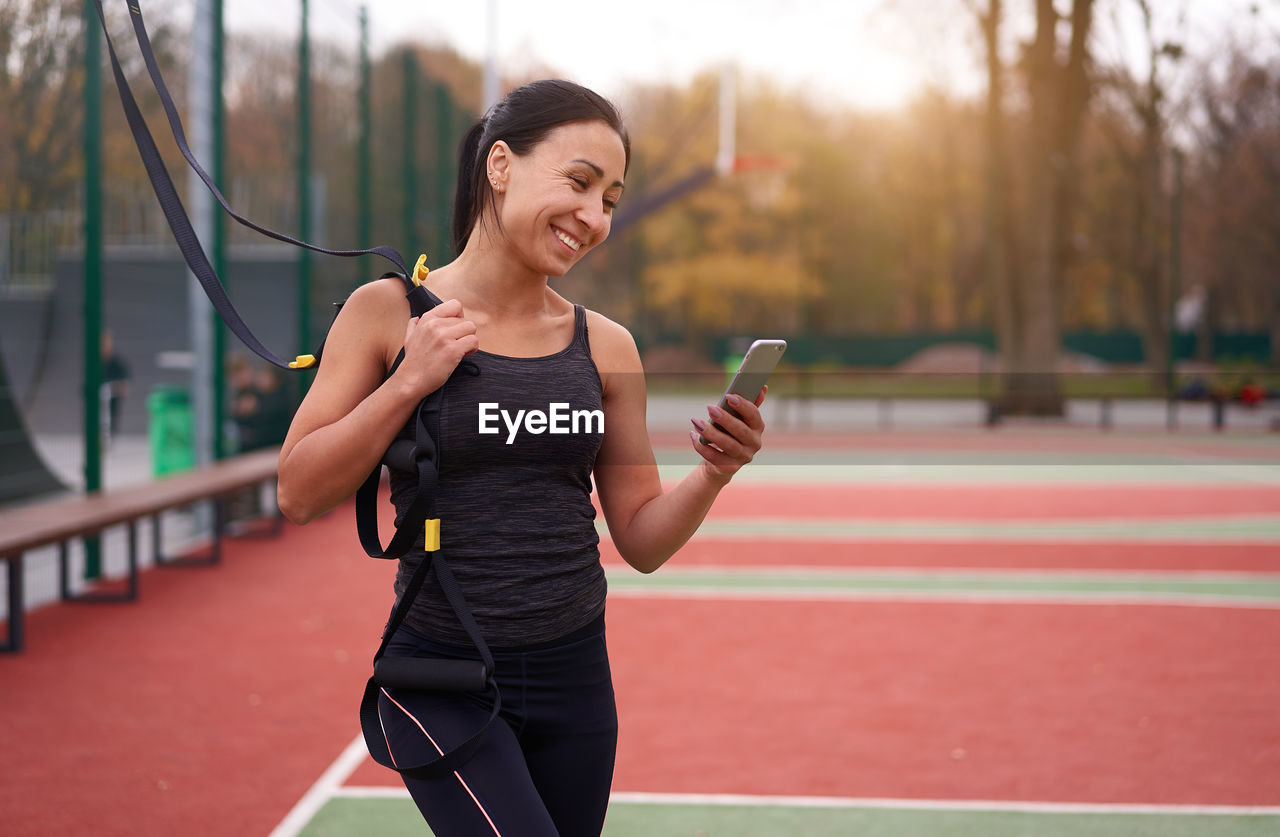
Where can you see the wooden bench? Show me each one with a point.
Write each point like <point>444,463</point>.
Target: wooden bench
<point>62,520</point>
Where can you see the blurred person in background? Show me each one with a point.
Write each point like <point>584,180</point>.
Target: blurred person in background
<point>115,382</point>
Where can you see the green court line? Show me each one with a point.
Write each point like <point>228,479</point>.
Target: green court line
<point>1251,528</point>
<point>1243,586</point>
<point>911,468</point>
<point>398,817</point>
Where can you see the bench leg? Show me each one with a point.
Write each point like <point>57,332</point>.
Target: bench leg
<point>128,594</point>
<point>13,642</point>
<point>211,556</point>
<point>269,524</point>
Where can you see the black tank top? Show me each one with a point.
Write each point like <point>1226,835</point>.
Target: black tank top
<point>518,442</point>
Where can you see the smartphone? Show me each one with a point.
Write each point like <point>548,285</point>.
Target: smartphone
<point>753,373</point>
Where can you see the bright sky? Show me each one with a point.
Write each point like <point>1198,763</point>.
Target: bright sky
<point>867,53</point>
<point>846,49</point>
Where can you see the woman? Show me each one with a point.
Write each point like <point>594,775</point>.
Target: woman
<point>548,397</point>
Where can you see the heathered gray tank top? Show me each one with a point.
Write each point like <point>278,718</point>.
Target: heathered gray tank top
<point>518,443</point>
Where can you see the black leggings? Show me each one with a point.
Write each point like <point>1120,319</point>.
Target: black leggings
<point>545,766</point>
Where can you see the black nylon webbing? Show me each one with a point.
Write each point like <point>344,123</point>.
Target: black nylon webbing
<point>424,454</point>
<point>171,204</point>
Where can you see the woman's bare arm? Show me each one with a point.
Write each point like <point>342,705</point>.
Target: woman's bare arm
<point>353,411</point>
<point>647,524</point>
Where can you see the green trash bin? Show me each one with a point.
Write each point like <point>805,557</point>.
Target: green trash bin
<point>169,430</point>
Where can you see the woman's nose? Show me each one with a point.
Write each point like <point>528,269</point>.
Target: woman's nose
<point>595,219</point>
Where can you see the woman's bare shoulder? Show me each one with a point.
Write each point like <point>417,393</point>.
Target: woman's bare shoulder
<point>380,295</point>
<point>365,322</point>
<point>612,346</point>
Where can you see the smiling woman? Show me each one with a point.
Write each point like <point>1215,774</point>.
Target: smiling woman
<point>539,178</point>
<point>571,119</point>
<point>559,189</point>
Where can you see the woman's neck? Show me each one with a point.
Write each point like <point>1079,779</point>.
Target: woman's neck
<point>486,276</point>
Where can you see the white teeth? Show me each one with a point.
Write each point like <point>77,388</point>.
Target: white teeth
<point>567,239</point>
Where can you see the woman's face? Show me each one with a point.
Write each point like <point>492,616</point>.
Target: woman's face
<point>556,202</point>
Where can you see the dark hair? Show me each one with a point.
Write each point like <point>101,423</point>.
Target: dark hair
<point>522,120</point>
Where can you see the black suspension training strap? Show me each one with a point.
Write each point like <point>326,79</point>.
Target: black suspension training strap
<point>174,212</point>
<point>421,456</point>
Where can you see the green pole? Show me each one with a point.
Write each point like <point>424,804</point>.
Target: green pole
<point>304,186</point>
<point>364,185</point>
<point>409,178</point>
<point>219,254</point>
<point>441,166</point>
<point>92,274</point>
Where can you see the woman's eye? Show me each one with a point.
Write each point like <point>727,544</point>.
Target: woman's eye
<point>580,182</point>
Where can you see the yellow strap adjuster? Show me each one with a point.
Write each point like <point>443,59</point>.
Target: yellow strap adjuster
<point>303,362</point>
<point>420,270</point>
<point>431,535</point>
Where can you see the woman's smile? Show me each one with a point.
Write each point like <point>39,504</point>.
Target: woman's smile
<point>569,241</point>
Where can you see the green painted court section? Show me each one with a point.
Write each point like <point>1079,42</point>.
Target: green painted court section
<point>1222,528</point>
<point>1215,588</point>
<point>397,817</point>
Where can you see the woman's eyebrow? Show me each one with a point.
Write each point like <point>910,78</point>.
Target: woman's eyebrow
<point>599,171</point>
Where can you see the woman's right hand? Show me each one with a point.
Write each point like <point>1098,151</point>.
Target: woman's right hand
<point>352,411</point>
<point>434,345</point>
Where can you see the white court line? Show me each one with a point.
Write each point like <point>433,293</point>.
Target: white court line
<point>728,799</point>
<point>329,786</point>
<point>967,572</point>
<point>719,531</point>
<point>937,804</point>
<point>323,790</point>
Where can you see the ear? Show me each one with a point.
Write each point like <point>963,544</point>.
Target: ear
<point>498,164</point>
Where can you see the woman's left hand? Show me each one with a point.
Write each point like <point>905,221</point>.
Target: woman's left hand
<point>731,441</point>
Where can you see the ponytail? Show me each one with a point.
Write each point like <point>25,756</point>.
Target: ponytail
<point>471,189</point>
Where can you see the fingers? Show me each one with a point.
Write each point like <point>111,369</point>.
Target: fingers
<point>435,343</point>
<point>444,327</point>
<point>719,433</point>
<point>447,308</point>
<point>730,439</point>
<point>748,412</point>
<point>723,462</point>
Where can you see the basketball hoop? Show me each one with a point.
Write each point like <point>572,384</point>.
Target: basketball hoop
<point>763,177</point>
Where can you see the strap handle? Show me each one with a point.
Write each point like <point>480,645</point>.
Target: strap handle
<point>422,457</point>
<point>174,212</point>
<point>370,722</point>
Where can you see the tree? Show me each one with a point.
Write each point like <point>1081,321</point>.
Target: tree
<point>1059,93</point>
<point>41,77</point>
<point>997,218</point>
<point>1139,137</point>
<point>1233,189</point>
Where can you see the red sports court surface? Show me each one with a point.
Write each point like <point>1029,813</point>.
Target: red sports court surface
<point>211,705</point>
